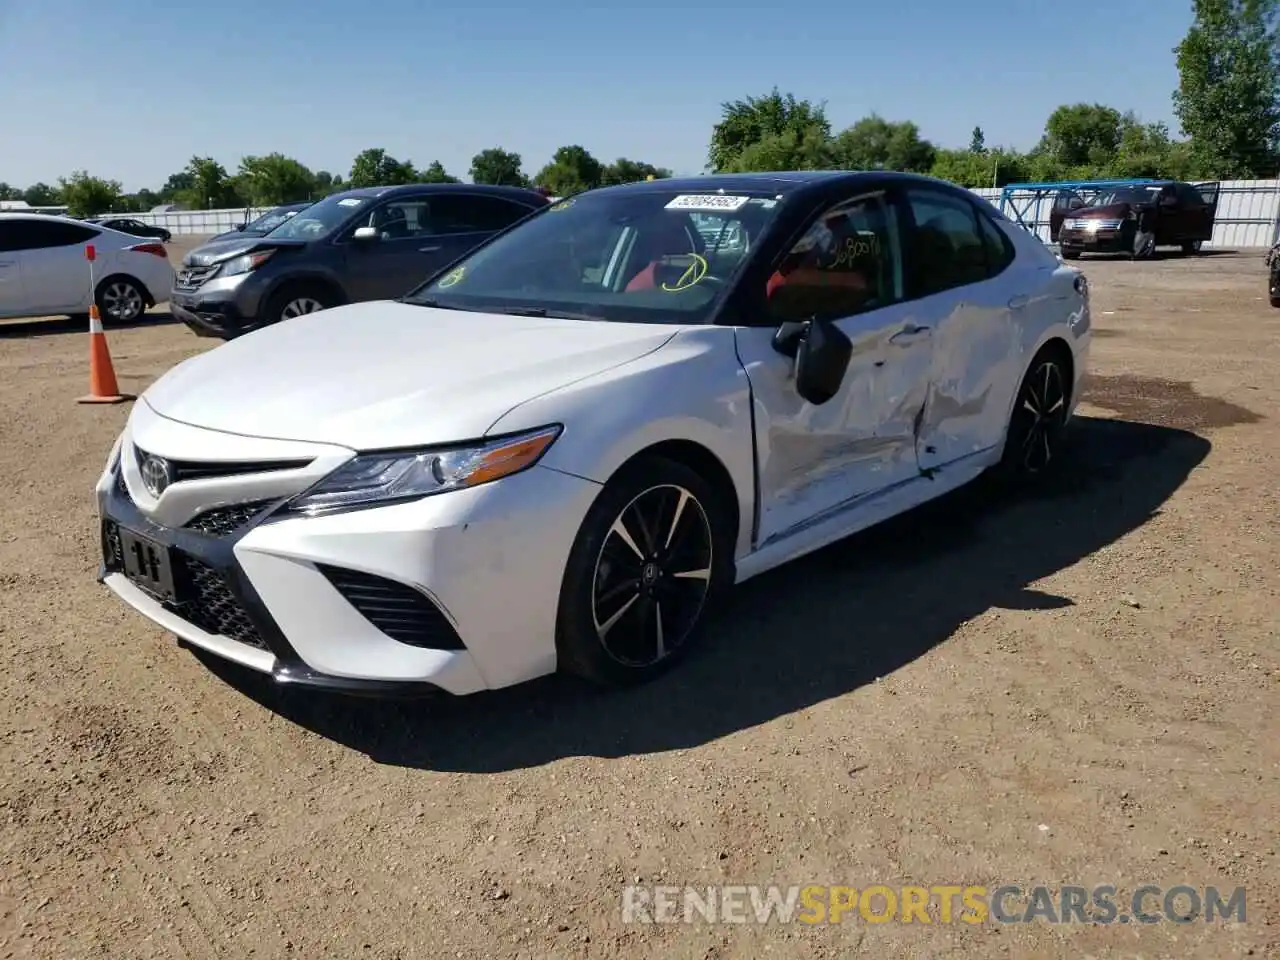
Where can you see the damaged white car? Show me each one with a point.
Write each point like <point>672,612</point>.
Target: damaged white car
<point>551,454</point>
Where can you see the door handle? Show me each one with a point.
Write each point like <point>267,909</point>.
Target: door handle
<point>6,263</point>
<point>431,249</point>
<point>908,334</point>
<point>1018,302</point>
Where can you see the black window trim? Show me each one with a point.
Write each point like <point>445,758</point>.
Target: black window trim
<point>48,222</point>
<point>419,197</point>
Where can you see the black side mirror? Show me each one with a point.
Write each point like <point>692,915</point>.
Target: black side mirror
<point>822,353</point>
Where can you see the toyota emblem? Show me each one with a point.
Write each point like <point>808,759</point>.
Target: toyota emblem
<point>156,475</point>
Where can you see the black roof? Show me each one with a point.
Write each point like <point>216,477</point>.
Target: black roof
<point>781,182</point>
<point>513,193</point>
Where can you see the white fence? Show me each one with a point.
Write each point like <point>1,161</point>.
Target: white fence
<point>1248,215</point>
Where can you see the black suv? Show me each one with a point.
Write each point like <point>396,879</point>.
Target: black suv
<point>375,243</point>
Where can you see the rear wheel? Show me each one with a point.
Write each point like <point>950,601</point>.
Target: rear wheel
<point>1036,426</point>
<point>652,554</point>
<point>120,300</point>
<point>1192,247</point>
<point>1070,254</point>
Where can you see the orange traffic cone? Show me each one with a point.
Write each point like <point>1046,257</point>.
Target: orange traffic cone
<point>102,375</point>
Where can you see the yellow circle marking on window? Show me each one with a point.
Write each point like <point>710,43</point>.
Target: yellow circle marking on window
<point>695,272</point>
<point>452,278</point>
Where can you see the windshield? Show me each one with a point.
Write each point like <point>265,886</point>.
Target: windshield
<point>319,219</point>
<point>1126,195</point>
<point>654,256</point>
<point>272,219</point>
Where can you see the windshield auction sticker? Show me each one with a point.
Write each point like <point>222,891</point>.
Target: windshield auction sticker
<point>706,201</point>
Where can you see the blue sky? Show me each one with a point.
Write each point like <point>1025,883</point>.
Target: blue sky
<point>131,89</point>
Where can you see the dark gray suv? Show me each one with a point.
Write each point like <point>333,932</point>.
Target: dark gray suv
<point>376,243</point>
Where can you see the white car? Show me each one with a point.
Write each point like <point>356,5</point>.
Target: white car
<point>43,270</point>
<point>551,454</point>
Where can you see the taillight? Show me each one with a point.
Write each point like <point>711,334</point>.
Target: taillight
<point>156,248</point>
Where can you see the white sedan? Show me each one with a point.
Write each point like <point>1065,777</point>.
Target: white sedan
<point>556,450</point>
<point>43,270</point>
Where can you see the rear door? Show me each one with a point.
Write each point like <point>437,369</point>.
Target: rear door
<point>460,222</point>
<point>55,274</point>
<point>13,301</point>
<point>959,271</point>
<point>1209,194</point>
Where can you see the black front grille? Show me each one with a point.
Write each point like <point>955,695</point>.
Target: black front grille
<point>221,521</point>
<point>398,610</point>
<point>206,469</point>
<point>208,603</point>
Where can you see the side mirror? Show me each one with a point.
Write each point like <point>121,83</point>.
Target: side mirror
<point>822,357</point>
<point>365,234</point>
<point>241,226</point>
<point>1168,201</point>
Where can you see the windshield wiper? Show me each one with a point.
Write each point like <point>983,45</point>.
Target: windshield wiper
<point>551,314</point>
<point>431,302</point>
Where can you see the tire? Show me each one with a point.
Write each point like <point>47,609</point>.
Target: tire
<point>297,300</point>
<point>1033,440</point>
<point>1069,254</point>
<point>120,300</point>
<point>1192,247</point>
<point>620,572</point>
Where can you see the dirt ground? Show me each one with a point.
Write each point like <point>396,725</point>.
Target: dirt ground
<point>1077,687</point>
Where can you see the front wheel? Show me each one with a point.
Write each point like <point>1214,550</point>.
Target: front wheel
<point>1038,422</point>
<point>1069,254</point>
<point>652,553</point>
<point>1191,247</point>
<point>296,301</point>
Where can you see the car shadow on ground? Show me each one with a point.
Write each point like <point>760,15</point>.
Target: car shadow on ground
<point>57,326</point>
<point>814,629</point>
<point>1157,255</point>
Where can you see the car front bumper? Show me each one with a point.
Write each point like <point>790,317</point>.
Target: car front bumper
<point>468,581</point>
<point>1094,241</point>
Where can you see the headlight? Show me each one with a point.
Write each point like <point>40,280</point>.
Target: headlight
<point>382,477</point>
<point>246,263</point>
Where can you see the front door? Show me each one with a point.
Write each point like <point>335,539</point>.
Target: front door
<point>817,461</point>
<point>401,254</point>
<point>961,283</point>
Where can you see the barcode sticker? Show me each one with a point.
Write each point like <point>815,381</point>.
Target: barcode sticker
<point>706,201</point>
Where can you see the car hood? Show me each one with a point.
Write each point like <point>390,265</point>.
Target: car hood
<point>386,374</point>
<point>215,251</point>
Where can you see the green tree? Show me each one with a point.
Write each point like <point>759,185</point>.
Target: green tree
<point>327,183</point>
<point>86,196</point>
<point>499,167</point>
<point>795,129</point>
<point>202,185</point>
<point>623,170</point>
<point>9,193</point>
<point>1081,135</point>
<point>572,169</point>
<point>995,167</point>
<point>436,173</point>
<point>40,195</point>
<point>874,143</point>
<point>1228,96</point>
<point>377,168</point>
<point>273,179</point>
<point>803,149</point>
<point>977,141</point>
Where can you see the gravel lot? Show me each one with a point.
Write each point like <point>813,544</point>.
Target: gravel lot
<point>1075,688</point>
